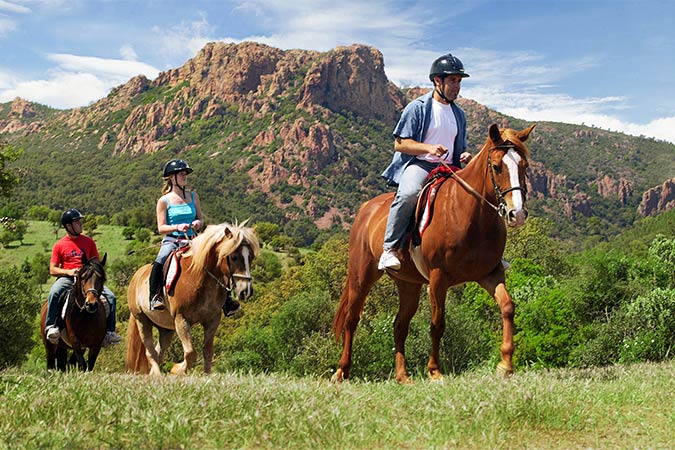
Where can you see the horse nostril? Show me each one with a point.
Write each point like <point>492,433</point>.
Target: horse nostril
<point>526,213</point>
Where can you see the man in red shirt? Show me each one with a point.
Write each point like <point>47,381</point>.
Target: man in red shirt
<point>66,261</point>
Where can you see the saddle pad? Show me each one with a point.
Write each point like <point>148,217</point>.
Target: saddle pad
<point>172,272</point>
<point>425,202</point>
<point>104,300</point>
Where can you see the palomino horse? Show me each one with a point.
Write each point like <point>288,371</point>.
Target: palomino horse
<point>218,261</point>
<point>85,319</point>
<point>464,242</point>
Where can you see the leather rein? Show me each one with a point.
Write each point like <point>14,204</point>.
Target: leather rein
<point>500,208</point>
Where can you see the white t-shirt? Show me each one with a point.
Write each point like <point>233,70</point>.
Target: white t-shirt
<point>442,130</point>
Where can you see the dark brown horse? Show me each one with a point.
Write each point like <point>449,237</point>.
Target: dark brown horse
<point>218,261</point>
<point>464,242</point>
<point>85,319</point>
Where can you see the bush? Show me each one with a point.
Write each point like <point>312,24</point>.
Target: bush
<point>19,304</point>
<point>650,327</point>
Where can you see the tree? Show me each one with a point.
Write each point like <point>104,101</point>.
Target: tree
<point>8,178</point>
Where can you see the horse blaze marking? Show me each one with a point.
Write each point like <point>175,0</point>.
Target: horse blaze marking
<point>511,159</point>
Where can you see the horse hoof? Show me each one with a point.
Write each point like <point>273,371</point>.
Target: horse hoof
<point>337,377</point>
<point>405,380</point>
<point>177,369</point>
<point>504,371</point>
<point>436,376</point>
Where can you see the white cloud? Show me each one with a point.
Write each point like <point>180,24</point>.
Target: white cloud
<point>13,7</point>
<point>76,81</point>
<point>128,53</point>
<point>118,69</point>
<point>61,90</point>
<point>6,25</point>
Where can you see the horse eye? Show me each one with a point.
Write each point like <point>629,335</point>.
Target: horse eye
<point>235,257</point>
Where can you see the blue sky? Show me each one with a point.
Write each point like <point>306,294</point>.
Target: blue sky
<point>607,63</point>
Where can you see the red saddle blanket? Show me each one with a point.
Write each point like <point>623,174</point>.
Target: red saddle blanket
<point>172,268</point>
<point>425,202</point>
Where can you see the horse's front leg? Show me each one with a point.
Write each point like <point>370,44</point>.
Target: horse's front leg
<point>497,289</point>
<point>92,356</point>
<point>409,300</point>
<point>209,335</point>
<point>184,331</point>
<point>438,288</point>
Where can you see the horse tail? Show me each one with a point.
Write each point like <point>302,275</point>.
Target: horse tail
<point>340,318</point>
<point>137,361</point>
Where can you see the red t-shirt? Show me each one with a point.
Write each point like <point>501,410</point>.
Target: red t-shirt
<point>67,252</point>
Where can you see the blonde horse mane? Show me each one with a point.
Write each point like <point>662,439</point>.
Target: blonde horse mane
<point>226,238</point>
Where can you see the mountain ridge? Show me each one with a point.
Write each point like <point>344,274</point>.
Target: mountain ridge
<point>308,133</point>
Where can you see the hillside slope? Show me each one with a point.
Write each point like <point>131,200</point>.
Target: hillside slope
<point>300,138</point>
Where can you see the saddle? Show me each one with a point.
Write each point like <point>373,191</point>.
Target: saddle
<point>424,210</point>
<point>172,269</point>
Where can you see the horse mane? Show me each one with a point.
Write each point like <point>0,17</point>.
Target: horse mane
<point>225,238</point>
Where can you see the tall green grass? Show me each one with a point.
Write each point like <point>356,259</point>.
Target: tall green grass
<point>614,407</point>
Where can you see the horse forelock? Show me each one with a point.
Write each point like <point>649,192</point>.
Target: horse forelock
<point>225,238</point>
<point>510,136</point>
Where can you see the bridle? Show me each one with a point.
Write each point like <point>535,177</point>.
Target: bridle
<point>233,276</point>
<point>499,193</point>
<point>83,306</point>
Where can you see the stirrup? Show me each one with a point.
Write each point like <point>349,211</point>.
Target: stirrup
<point>157,303</point>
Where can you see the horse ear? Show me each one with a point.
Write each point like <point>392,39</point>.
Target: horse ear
<point>495,135</point>
<point>227,232</point>
<point>523,135</point>
<point>84,259</point>
<point>105,256</point>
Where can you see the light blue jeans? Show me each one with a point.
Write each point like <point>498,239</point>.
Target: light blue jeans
<point>403,207</point>
<point>61,285</point>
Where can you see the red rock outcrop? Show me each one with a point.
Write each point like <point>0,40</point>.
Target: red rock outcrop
<point>658,199</point>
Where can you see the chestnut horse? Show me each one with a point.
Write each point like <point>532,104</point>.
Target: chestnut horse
<point>218,261</point>
<point>464,242</point>
<point>85,319</point>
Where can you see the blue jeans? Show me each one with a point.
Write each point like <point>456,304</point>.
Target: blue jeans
<point>61,285</point>
<point>403,207</point>
<point>169,244</point>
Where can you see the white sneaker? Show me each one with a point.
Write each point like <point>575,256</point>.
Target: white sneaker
<point>53,334</point>
<point>111,338</point>
<point>388,260</point>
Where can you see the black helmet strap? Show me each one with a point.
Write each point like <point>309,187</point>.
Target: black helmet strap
<point>438,91</point>
<point>182,188</point>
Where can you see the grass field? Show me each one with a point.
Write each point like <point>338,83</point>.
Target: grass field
<point>614,407</point>
<point>41,236</point>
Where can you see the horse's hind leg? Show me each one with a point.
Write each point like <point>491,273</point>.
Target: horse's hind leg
<point>91,357</point>
<point>409,299</point>
<point>209,335</point>
<point>184,331</point>
<point>145,330</point>
<point>438,289</point>
<point>163,343</point>
<point>494,284</point>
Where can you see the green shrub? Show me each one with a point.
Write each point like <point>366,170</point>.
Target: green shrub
<point>650,327</point>
<point>19,305</point>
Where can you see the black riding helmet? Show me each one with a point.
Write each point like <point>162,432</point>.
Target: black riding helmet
<point>70,216</point>
<point>175,166</point>
<point>447,65</point>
